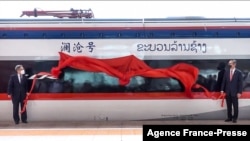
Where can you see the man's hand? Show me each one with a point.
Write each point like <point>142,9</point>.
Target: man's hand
<point>238,95</point>
<point>27,94</point>
<point>222,93</point>
<point>9,96</point>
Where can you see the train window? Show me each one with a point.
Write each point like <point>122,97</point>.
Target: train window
<point>77,81</point>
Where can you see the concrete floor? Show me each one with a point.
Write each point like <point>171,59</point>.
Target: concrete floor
<point>90,130</point>
<point>113,124</point>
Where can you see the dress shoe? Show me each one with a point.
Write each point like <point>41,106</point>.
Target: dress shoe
<point>25,122</point>
<point>228,120</point>
<point>234,121</point>
<point>16,123</point>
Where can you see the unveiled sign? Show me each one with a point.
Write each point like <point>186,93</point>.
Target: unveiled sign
<point>141,48</point>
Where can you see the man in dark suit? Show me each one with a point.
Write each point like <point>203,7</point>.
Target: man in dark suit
<point>17,91</point>
<point>232,84</point>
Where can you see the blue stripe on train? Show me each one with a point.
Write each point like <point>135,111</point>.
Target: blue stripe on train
<point>99,34</point>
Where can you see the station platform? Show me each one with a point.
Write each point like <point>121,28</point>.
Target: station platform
<point>91,130</point>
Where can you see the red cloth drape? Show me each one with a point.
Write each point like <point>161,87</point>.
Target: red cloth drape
<point>124,68</point>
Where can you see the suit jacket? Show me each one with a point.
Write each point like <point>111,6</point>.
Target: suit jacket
<point>234,86</point>
<point>17,89</point>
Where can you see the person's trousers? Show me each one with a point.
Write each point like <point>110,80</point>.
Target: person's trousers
<point>232,107</point>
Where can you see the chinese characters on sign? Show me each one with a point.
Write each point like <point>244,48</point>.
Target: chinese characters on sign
<point>175,47</point>
<point>77,47</point>
<point>194,47</point>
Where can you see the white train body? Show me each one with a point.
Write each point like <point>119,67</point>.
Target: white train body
<point>159,43</point>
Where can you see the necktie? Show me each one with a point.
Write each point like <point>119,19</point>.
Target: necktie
<point>231,74</point>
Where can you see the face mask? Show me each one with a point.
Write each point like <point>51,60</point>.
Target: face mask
<point>22,72</point>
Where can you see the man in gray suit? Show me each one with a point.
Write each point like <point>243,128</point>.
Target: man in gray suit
<point>17,91</point>
<point>232,84</point>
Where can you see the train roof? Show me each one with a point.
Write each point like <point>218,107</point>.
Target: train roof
<point>146,20</point>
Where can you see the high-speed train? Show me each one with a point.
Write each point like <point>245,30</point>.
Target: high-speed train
<point>124,69</point>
